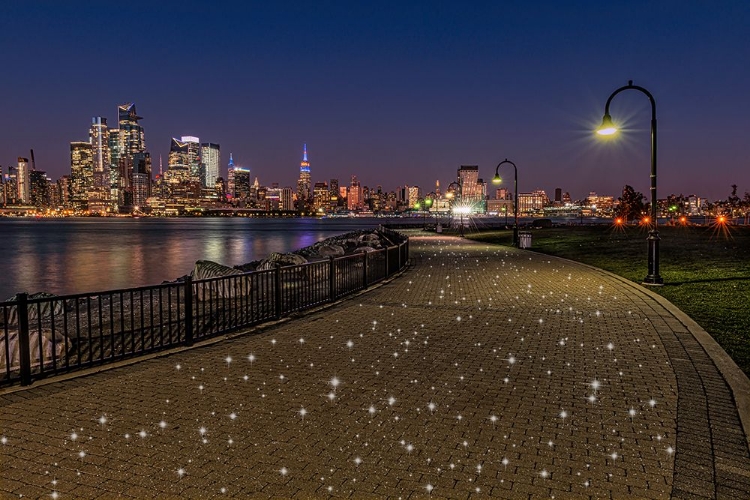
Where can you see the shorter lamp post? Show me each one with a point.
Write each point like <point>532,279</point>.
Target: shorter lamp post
<point>498,180</point>
<point>423,204</point>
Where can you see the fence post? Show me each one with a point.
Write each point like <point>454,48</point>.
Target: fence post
<point>387,266</point>
<point>24,350</point>
<point>277,295</point>
<point>365,266</point>
<point>332,278</point>
<point>188,310</point>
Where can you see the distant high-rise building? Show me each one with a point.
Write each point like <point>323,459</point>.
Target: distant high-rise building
<point>287,198</point>
<point>354,199</point>
<point>193,157</point>
<point>413,196</point>
<point>81,173</point>
<point>303,184</point>
<point>38,189</point>
<point>23,181</point>
<point>558,195</point>
<point>102,158</point>
<point>178,162</point>
<point>141,183</point>
<point>468,180</point>
<point>321,197</point>
<point>211,159</point>
<point>241,185</point>
<point>130,140</point>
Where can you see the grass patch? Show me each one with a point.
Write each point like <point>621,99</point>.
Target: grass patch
<point>706,272</point>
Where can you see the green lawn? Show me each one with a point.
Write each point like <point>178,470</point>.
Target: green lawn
<point>706,271</point>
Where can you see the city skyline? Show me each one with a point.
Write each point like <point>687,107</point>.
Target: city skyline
<point>399,94</point>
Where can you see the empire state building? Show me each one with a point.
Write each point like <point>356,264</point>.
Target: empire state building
<point>303,184</point>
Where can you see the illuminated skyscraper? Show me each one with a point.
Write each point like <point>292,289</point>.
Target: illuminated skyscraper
<point>193,147</point>
<point>81,173</point>
<point>102,158</point>
<point>354,199</point>
<point>211,159</point>
<point>303,184</point>
<point>178,163</point>
<point>23,181</point>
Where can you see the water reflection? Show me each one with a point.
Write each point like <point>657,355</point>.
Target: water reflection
<point>86,255</point>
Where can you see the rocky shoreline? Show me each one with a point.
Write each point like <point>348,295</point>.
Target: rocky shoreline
<point>360,241</point>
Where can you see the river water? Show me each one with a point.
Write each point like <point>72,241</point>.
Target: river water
<point>65,256</point>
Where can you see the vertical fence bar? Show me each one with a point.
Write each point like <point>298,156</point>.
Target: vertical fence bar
<point>331,279</point>
<point>188,310</point>
<point>365,265</point>
<point>277,295</point>
<point>24,351</point>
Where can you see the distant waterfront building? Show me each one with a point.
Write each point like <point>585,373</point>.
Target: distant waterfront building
<point>102,158</point>
<point>141,179</point>
<point>178,162</point>
<point>10,186</point>
<point>321,197</point>
<point>287,198</point>
<point>471,188</point>
<point>193,148</point>
<point>303,184</point>
<point>354,199</point>
<point>38,189</point>
<point>532,202</point>
<point>23,181</point>
<point>81,174</point>
<point>211,159</point>
<point>241,185</point>
<point>413,196</point>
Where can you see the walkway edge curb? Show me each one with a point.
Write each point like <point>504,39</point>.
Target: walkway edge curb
<point>738,382</point>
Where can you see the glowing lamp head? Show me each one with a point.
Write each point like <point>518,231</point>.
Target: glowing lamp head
<point>721,219</point>
<point>607,127</point>
<point>618,221</point>
<point>646,220</point>
<point>496,179</point>
<point>428,202</point>
<point>449,194</point>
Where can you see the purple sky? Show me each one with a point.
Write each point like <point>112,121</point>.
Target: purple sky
<point>394,92</point>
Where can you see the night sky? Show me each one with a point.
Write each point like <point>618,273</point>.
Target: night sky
<point>393,92</point>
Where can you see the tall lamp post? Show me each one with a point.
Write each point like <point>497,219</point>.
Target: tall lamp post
<point>498,180</point>
<point>450,193</point>
<point>609,128</point>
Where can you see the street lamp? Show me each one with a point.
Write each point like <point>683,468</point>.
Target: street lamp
<point>498,180</point>
<point>609,128</point>
<point>451,194</point>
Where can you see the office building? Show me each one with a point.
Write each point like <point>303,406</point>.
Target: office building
<point>210,157</point>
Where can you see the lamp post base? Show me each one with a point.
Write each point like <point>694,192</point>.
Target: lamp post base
<point>515,236</point>
<point>653,278</point>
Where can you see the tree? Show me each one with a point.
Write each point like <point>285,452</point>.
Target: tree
<point>631,204</point>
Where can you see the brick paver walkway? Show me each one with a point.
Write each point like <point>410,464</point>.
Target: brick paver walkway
<point>481,372</point>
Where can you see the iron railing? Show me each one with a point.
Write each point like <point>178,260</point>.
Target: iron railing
<point>42,335</point>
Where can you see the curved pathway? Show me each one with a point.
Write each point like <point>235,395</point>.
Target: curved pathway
<point>482,372</point>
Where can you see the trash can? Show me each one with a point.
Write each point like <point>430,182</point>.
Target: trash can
<point>524,240</point>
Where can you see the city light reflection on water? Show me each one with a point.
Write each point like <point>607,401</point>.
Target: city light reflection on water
<point>65,256</point>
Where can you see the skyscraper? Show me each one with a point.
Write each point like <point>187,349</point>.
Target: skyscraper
<point>81,173</point>
<point>193,147</point>
<point>470,186</point>
<point>178,162</point>
<point>211,159</point>
<point>354,200</point>
<point>102,159</point>
<point>303,184</point>
<point>132,140</point>
<point>23,181</point>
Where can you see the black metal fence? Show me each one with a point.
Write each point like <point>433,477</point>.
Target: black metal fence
<point>50,335</point>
